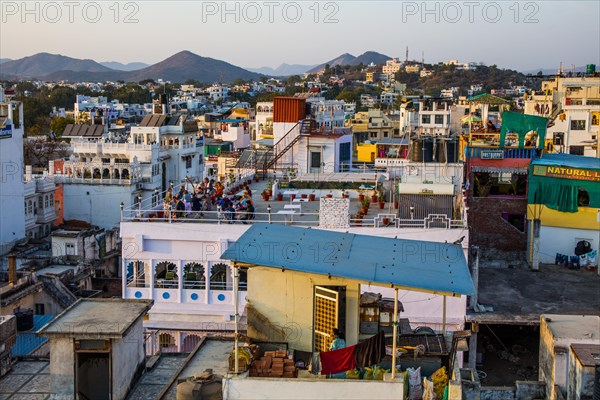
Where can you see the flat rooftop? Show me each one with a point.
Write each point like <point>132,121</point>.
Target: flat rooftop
<point>519,295</point>
<point>109,318</point>
<point>582,327</point>
<point>26,380</point>
<point>56,269</point>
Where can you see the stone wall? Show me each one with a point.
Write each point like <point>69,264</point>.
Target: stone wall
<point>334,213</point>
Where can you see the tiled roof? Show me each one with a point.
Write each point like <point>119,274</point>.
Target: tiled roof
<point>77,130</point>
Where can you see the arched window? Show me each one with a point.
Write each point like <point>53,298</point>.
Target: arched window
<point>218,277</point>
<point>125,174</point>
<point>46,201</point>
<point>136,276</point>
<point>193,276</point>
<point>30,207</point>
<point>190,342</point>
<point>51,199</point>
<point>165,275</point>
<point>166,341</point>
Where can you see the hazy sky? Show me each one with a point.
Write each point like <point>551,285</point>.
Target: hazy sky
<point>519,35</point>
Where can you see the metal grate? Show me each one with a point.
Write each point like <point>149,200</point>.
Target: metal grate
<point>325,317</point>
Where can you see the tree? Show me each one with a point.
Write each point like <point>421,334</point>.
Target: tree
<point>58,125</point>
<point>37,151</point>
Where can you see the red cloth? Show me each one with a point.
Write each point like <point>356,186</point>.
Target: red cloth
<point>335,361</point>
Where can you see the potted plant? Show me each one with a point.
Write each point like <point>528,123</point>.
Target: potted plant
<point>329,195</point>
<point>361,195</point>
<point>381,197</point>
<point>374,197</point>
<point>265,195</point>
<point>279,196</point>
<point>396,196</point>
<point>304,196</point>
<point>365,206</point>
<point>269,188</point>
<point>292,197</point>
<point>385,221</point>
<point>311,197</point>
<point>345,194</point>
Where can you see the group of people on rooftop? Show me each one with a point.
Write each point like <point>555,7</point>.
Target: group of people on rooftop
<point>206,195</point>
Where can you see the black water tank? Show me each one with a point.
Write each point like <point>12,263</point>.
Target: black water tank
<point>417,150</point>
<point>428,150</point>
<point>24,319</point>
<point>440,151</point>
<point>452,151</point>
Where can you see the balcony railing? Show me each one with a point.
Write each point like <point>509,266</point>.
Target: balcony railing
<point>477,152</point>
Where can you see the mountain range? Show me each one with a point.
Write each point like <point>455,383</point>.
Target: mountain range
<point>3,60</point>
<point>283,70</point>
<point>348,59</point>
<point>124,67</point>
<point>180,67</point>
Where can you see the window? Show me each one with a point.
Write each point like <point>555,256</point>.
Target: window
<point>373,135</point>
<point>385,134</point>
<point>40,201</point>
<point>188,162</point>
<point>69,249</point>
<point>52,199</point>
<point>344,152</point>
<point>30,207</point>
<point>578,125</point>
<point>576,150</point>
<point>46,201</point>
<point>426,119</point>
<point>439,120</point>
<point>39,308</point>
<point>583,198</point>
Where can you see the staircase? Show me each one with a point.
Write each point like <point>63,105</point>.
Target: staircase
<point>263,159</point>
<point>288,141</point>
<point>58,290</point>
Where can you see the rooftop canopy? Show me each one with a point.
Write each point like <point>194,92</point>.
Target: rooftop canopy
<point>431,267</point>
<point>486,98</point>
<point>557,181</point>
<point>522,124</point>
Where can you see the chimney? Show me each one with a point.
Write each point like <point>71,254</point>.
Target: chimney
<point>12,269</point>
<point>28,172</point>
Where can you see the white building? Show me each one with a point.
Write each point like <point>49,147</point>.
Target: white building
<point>104,171</point>
<point>434,117</point>
<point>40,211</point>
<point>216,92</point>
<point>11,172</point>
<point>264,120</point>
<point>235,131</point>
<point>574,106</point>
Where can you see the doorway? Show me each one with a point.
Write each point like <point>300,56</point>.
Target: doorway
<point>93,376</point>
<point>329,312</point>
<point>315,162</point>
<point>164,177</point>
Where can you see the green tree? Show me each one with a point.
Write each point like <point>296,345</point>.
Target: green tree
<point>58,125</point>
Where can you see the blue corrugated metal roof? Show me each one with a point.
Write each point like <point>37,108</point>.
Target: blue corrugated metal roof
<point>27,341</point>
<point>411,264</point>
<point>568,160</point>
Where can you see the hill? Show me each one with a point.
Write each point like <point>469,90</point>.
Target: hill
<point>366,58</point>
<point>42,64</point>
<point>124,67</point>
<point>283,70</point>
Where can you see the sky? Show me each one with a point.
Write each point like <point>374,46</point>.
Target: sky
<point>523,35</point>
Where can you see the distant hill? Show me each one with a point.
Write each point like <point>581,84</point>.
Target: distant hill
<point>552,71</point>
<point>370,57</point>
<point>42,64</point>
<point>124,67</point>
<point>348,59</point>
<point>3,60</point>
<point>283,70</point>
<point>179,67</point>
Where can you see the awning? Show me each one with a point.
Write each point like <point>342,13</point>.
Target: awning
<point>500,170</point>
<point>427,188</point>
<point>431,267</point>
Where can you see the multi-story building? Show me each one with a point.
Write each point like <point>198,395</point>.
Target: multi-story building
<point>11,172</point>
<point>434,117</point>
<point>573,104</point>
<point>40,210</point>
<point>218,92</point>
<point>264,120</point>
<point>391,66</point>
<point>105,171</point>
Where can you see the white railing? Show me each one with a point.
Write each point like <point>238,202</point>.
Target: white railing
<point>433,221</point>
<point>95,181</point>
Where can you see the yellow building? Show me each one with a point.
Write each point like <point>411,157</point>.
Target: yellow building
<point>563,207</point>
<point>303,283</point>
<point>366,152</point>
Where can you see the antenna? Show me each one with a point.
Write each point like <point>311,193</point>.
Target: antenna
<point>406,53</point>
<point>422,58</point>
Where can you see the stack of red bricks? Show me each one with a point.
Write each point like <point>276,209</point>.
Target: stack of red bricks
<point>274,364</point>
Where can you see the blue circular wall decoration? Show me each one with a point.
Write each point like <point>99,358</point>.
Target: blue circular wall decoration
<point>138,294</point>
<point>221,297</point>
<point>166,295</point>
<point>194,296</point>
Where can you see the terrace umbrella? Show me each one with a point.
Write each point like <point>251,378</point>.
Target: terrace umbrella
<point>470,118</point>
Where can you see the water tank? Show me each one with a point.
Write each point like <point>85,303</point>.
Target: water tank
<point>428,150</point>
<point>440,151</point>
<point>452,151</point>
<point>24,319</point>
<point>590,68</point>
<point>417,151</point>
